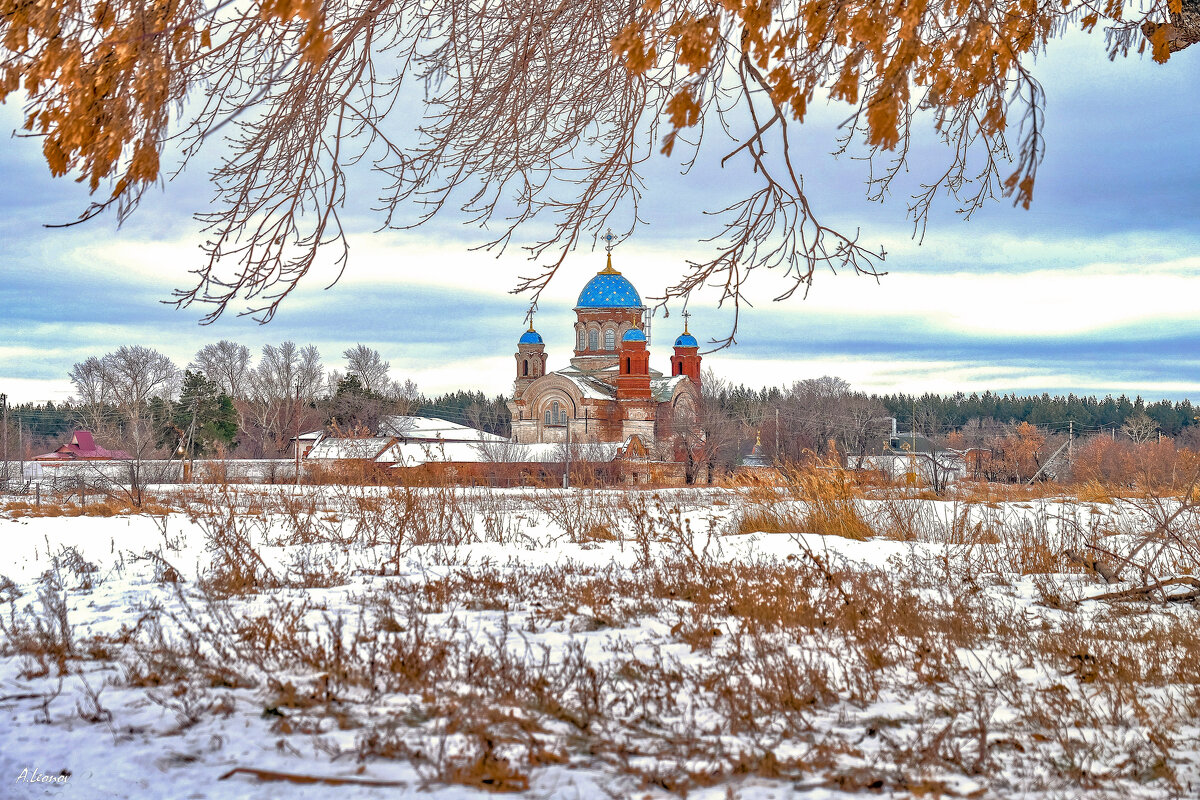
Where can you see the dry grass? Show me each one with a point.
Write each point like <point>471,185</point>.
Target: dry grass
<point>686,669</point>
<point>109,507</point>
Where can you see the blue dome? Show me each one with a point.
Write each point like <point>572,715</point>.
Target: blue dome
<point>686,340</point>
<point>609,289</point>
<point>633,335</point>
<point>530,337</point>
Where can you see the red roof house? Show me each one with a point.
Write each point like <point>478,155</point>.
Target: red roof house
<point>83,448</point>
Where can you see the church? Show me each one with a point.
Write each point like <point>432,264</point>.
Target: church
<point>609,393</point>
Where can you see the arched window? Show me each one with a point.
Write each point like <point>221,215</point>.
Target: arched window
<point>556,414</point>
<point>593,339</point>
<point>628,365</point>
<point>610,339</point>
<point>525,367</point>
<point>582,339</point>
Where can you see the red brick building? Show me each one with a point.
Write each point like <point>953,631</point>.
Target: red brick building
<point>609,392</point>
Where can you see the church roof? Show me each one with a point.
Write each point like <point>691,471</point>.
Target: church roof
<point>662,387</point>
<point>686,340</point>
<point>609,289</point>
<point>633,335</point>
<point>530,337</point>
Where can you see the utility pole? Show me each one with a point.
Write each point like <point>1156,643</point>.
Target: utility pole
<point>190,472</point>
<point>567,471</point>
<point>296,478</point>
<point>4,407</point>
<point>1070,443</point>
<point>776,435</point>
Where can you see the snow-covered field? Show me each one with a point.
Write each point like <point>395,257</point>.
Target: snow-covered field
<point>362,643</point>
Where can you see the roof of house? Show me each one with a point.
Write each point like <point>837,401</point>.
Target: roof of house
<point>83,446</point>
<point>433,429</point>
<point>911,443</point>
<point>366,449</point>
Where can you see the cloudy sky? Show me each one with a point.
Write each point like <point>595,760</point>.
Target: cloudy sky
<point>1094,290</point>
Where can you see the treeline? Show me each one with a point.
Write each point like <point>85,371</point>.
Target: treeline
<point>943,413</point>
<point>226,400</point>
<point>935,415</point>
<point>1009,437</point>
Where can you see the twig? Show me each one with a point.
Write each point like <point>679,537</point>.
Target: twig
<point>290,777</point>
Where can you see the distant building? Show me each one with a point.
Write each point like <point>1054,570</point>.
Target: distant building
<point>83,447</point>
<point>757,458</point>
<point>609,393</point>
<point>913,459</point>
<point>305,442</point>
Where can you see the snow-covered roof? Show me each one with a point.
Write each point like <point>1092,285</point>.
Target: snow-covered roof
<point>593,387</point>
<point>332,448</point>
<point>433,429</point>
<point>310,436</point>
<point>662,389</point>
<point>410,454</point>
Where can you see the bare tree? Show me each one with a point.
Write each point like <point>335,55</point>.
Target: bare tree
<point>130,378</point>
<point>227,364</point>
<point>368,365</point>
<point>282,389</point>
<point>711,438</point>
<point>135,374</point>
<point>1140,427</point>
<point>93,398</point>
<point>407,397</point>
<point>538,111</point>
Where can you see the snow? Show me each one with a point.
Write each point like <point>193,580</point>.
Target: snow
<point>147,741</point>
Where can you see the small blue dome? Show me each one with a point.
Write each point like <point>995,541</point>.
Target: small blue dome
<point>686,340</point>
<point>633,335</point>
<point>530,337</point>
<point>609,289</point>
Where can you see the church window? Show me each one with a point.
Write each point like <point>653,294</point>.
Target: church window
<point>582,339</point>
<point>610,339</point>
<point>525,367</point>
<point>628,365</point>
<point>593,339</point>
<point>555,414</point>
